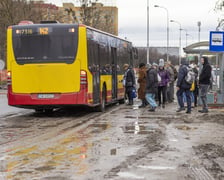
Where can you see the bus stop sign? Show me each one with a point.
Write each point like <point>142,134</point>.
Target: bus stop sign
<point>216,41</point>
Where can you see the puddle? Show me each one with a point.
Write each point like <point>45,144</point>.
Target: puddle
<point>113,151</point>
<point>98,128</point>
<point>129,175</point>
<point>139,128</point>
<point>44,168</point>
<point>56,178</point>
<point>131,117</point>
<point>24,172</point>
<point>158,167</point>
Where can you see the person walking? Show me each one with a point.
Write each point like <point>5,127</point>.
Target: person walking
<point>162,85</point>
<point>142,84</point>
<point>204,83</point>
<point>183,87</point>
<point>151,87</point>
<point>129,82</point>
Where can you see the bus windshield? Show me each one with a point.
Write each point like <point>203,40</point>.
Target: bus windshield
<point>45,44</point>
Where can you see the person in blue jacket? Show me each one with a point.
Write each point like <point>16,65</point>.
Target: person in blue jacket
<point>183,87</point>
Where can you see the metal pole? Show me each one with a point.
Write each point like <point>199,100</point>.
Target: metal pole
<point>147,31</point>
<point>167,33</point>
<point>179,39</point>
<point>186,35</point>
<point>199,30</point>
<point>167,47</point>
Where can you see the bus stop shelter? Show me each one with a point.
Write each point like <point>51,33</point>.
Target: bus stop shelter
<point>215,96</point>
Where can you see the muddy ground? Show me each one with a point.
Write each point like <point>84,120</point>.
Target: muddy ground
<point>124,143</point>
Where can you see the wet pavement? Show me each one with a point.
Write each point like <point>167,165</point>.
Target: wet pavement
<point>5,109</point>
<point>124,143</point>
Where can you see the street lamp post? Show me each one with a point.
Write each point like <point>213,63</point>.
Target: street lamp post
<point>147,32</point>
<point>199,30</point>
<point>186,35</point>
<point>167,34</point>
<point>180,29</point>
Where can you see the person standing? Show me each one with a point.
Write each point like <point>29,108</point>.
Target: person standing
<point>170,86</point>
<point>151,87</point>
<point>142,84</point>
<point>204,83</point>
<point>195,91</point>
<point>183,87</point>
<point>162,85</point>
<point>129,82</point>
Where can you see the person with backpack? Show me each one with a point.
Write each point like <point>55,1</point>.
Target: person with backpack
<point>195,90</point>
<point>204,83</point>
<point>183,87</point>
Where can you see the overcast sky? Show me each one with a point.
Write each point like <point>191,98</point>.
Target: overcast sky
<point>133,20</point>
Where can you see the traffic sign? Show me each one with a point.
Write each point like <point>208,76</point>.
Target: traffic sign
<point>216,41</point>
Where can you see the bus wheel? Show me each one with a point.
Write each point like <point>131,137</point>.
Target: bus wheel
<point>39,110</point>
<point>102,106</point>
<point>48,111</point>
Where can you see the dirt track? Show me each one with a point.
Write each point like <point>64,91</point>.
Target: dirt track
<point>123,143</point>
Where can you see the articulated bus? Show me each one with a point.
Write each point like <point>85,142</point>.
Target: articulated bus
<point>52,65</point>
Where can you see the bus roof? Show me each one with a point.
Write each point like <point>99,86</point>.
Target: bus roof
<point>80,25</point>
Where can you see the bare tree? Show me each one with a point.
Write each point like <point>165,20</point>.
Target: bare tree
<point>219,6</point>
<point>11,13</point>
<point>92,14</point>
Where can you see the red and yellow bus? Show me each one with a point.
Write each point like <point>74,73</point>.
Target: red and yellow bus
<point>52,65</point>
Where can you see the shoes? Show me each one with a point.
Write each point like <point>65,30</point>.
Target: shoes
<point>142,106</point>
<point>203,111</point>
<point>163,105</point>
<point>180,109</point>
<point>152,109</point>
<point>188,112</point>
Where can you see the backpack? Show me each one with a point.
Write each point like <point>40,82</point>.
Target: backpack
<point>190,77</point>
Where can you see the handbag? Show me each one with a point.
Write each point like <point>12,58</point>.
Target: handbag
<point>133,93</point>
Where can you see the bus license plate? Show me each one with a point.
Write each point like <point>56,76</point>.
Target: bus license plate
<point>45,96</point>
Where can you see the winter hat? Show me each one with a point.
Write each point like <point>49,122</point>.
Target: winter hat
<point>161,62</point>
<point>125,65</point>
<point>154,64</point>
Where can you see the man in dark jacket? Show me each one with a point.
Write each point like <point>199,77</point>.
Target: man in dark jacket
<point>183,86</point>
<point>129,82</point>
<point>204,82</point>
<point>151,87</point>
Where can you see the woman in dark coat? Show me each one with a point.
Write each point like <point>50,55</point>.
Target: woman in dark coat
<point>129,82</point>
<point>151,87</point>
<point>142,84</point>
